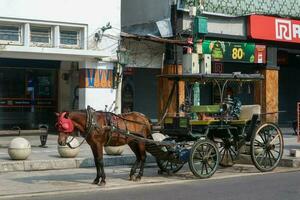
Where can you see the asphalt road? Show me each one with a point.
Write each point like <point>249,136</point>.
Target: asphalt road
<point>277,186</point>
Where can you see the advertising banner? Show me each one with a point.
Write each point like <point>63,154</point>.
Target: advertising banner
<point>235,51</point>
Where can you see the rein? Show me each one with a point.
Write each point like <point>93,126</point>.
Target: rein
<point>91,124</point>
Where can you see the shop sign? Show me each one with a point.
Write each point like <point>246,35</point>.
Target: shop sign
<point>218,68</point>
<point>235,51</point>
<point>7,102</point>
<point>274,28</point>
<point>96,78</point>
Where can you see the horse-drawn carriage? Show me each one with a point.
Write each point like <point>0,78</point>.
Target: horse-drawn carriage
<point>205,136</point>
<point>229,130</point>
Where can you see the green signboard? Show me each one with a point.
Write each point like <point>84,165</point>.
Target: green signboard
<point>230,51</point>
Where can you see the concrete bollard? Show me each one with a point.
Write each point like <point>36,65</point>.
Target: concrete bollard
<point>66,151</point>
<point>114,150</point>
<point>19,149</point>
<point>295,153</point>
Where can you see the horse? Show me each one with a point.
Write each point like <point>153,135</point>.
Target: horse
<point>101,128</point>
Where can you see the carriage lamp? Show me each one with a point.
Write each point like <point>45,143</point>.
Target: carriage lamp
<point>123,58</point>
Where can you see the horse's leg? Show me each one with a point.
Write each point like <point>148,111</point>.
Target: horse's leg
<point>103,175</point>
<point>142,153</point>
<point>94,150</point>
<point>98,159</point>
<point>134,148</point>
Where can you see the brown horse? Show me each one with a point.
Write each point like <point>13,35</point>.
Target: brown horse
<point>104,128</point>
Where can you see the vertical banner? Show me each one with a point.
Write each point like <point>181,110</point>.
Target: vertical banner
<point>96,78</point>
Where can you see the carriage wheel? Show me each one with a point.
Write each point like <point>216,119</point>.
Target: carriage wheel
<point>266,147</point>
<point>168,167</point>
<point>204,158</point>
<point>228,153</point>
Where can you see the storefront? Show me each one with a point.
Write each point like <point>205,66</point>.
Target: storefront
<point>139,91</point>
<point>282,35</point>
<point>28,92</point>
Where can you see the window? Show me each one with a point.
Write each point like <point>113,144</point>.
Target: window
<point>40,35</point>
<point>69,38</point>
<point>10,33</point>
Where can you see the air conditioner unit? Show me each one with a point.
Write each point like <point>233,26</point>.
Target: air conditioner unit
<point>190,63</point>
<point>205,67</point>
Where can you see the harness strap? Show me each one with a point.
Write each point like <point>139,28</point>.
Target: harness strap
<point>90,124</point>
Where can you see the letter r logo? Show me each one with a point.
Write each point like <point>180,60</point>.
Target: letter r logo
<point>283,29</point>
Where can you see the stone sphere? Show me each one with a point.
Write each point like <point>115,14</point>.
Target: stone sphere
<point>19,149</point>
<point>66,151</point>
<point>114,150</point>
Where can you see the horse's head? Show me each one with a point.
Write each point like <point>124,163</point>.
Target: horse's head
<point>64,126</point>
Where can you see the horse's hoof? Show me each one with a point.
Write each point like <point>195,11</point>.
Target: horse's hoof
<point>96,181</point>
<point>102,183</point>
<point>137,179</point>
<point>132,178</point>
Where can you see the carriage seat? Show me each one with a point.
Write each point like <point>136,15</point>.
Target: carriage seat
<point>247,111</point>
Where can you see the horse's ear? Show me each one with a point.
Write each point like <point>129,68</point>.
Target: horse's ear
<point>56,113</point>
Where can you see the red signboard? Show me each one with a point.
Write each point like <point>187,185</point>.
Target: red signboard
<point>273,28</point>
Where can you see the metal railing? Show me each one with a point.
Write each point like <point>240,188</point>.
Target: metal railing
<point>42,131</point>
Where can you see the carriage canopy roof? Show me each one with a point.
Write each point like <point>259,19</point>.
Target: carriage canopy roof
<point>214,76</point>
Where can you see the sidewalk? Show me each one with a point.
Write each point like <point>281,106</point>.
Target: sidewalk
<point>49,159</point>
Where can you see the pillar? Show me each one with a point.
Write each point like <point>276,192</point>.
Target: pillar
<point>164,90</point>
<point>96,85</point>
<point>56,37</point>
<point>26,35</point>
<point>269,94</point>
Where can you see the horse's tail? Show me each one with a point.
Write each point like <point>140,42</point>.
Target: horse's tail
<point>149,135</point>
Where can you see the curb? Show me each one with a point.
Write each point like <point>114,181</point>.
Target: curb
<point>286,161</point>
<point>71,163</point>
<point>64,163</point>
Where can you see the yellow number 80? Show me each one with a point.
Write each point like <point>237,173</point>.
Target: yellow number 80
<point>237,53</point>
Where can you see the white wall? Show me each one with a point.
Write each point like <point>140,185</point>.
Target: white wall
<point>145,54</point>
<point>95,13</point>
<point>96,98</point>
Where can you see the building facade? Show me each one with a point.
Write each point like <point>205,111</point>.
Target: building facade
<point>229,25</point>
<point>56,55</point>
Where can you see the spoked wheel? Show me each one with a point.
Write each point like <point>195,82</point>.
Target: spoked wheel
<point>204,158</point>
<point>228,153</point>
<point>166,165</point>
<point>266,147</point>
